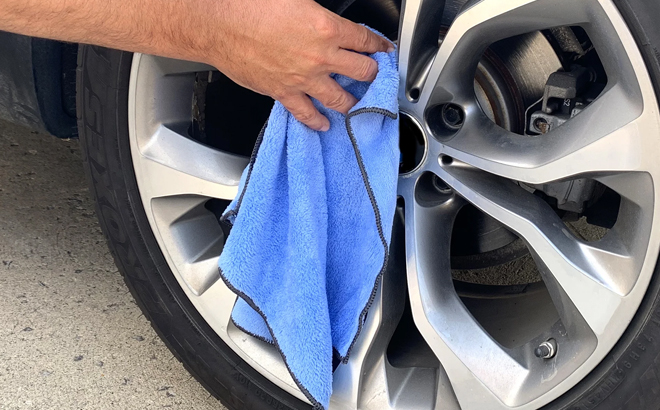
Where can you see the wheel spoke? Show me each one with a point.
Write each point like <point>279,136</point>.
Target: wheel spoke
<point>197,235</point>
<point>218,301</point>
<point>443,320</point>
<point>164,80</point>
<point>174,165</point>
<point>367,362</point>
<point>216,305</point>
<point>487,21</point>
<point>595,277</point>
<point>597,141</point>
<point>362,378</point>
<point>605,137</point>
<point>418,42</point>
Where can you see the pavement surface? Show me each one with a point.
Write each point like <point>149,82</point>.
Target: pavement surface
<point>71,335</point>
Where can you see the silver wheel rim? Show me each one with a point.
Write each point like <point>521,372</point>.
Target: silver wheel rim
<point>596,286</point>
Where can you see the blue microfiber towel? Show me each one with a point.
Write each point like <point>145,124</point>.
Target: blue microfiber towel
<point>311,229</point>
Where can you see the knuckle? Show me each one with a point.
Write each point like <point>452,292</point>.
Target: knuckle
<point>279,94</point>
<point>319,60</point>
<point>339,100</point>
<point>364,38</point>
<point>297,80</point>
<point>326,26</point>
<point>366,70</point>
<point>305,116</point>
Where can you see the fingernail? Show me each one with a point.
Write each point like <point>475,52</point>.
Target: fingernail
<point>325,128</point>
<point>390,48</point>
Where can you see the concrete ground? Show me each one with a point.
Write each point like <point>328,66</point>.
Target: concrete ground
<point>71,336</point>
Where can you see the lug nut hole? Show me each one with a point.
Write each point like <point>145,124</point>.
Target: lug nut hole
<point>445,119</point>
<point>452,116</point>
<point>441,185</point>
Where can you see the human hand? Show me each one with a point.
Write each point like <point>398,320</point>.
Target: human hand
<point>287,49</point>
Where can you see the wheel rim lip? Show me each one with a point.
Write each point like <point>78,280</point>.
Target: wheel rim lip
<point>224,330</point>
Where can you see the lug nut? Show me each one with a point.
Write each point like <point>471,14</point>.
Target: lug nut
<point>546,350</point>
<point>452,116</point>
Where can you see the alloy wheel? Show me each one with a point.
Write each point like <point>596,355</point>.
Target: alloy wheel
<point>462,157</point>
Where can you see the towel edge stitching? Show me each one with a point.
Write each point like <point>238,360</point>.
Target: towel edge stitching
<point>253,159</point>
<point>256,336</point>
<point>316,405</point>
<point>379,222</point>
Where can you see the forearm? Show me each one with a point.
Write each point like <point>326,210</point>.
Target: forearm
<point>171,28</point>
<point>282,48</point>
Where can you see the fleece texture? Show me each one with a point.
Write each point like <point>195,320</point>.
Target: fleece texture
<point>311,229</point>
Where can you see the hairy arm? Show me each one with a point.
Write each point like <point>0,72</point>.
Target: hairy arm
<point>282,48</point>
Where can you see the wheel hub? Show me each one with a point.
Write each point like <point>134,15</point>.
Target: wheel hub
<point>411,142</point>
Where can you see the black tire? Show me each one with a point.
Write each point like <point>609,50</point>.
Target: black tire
<point>628,379</point>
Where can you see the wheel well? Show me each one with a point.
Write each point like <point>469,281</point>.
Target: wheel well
<point>54,67</point>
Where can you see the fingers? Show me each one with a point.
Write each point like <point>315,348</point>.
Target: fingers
<point>333,96</point>
<point>342,42</point>
<point>356,66</point>
<point>329,93</point>
<point>359,38</point>
<point>301,107</point>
